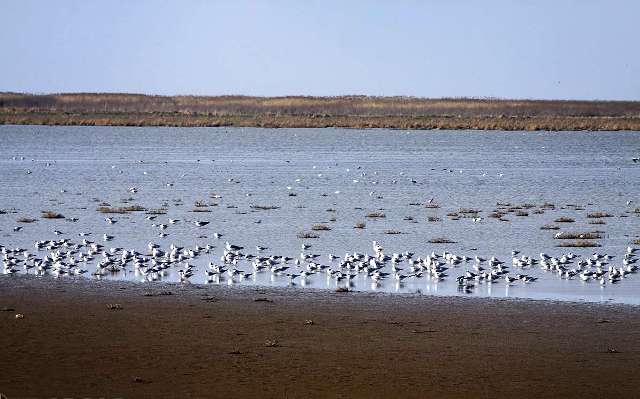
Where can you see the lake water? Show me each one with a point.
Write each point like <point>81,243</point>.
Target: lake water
<point>333,177</point>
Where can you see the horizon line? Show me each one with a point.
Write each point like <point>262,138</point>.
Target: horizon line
<point>463,98</point>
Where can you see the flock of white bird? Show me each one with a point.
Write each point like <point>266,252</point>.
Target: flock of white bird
<point>67,258</point>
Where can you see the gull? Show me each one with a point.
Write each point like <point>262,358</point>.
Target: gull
<point>107,237</point>
<point>17,228</point>
<point>57,232</point>
<point>110,220</point>
<point>173,221</point>
<point>200,223</point>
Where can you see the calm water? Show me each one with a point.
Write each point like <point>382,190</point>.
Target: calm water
<point>338,177</point>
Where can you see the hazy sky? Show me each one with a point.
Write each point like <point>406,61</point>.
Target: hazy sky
<point>582,49</point>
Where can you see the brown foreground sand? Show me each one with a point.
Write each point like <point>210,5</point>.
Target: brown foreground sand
<point>207,341</point>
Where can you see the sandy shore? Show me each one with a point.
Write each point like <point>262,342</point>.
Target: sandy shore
<point>207,341</point>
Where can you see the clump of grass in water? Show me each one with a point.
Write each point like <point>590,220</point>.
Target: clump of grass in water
<point>432,205</point>
<point>441,240</point>
<point>469,211</point>
<point>579,244</point>
<point>564,219</point>
<point>376,215</point>
<point>597,222</point>
<point>637,241</point>
<point>200,204</point>
<point>157,211</point>
<point>392,232</point>
<point>26,220</point>
<point>320,227</point>
<point>264,207</point>
<point>307,234</point>
<point>587,235</point>
<point>202,210</point>
<point>433,219</point>
<point>598,215</point>
<point>52,215</point>
<point>522,213</point>
<point>122,209</point>
<point>549,227</point>
<point>360,225</point>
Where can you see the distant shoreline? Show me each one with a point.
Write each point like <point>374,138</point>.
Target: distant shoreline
<point>356,112</point>
<point>350,122</point>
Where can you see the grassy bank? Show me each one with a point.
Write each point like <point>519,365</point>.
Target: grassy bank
<point>290,112</point>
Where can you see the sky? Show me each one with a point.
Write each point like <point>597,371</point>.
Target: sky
<point>544,49</point>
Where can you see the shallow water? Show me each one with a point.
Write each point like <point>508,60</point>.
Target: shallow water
<point>338,176</point>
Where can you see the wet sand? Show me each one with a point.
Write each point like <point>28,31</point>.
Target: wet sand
<point>209,341</point>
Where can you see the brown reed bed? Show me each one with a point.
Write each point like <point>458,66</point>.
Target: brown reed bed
<point>578,244</point>
<point>51,215</point>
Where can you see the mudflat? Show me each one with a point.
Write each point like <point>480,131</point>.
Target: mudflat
<point>85,338</point>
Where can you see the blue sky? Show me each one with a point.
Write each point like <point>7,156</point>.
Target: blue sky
<point>511,49</point>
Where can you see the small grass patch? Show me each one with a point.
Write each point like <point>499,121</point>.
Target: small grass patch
<point>320,227</point>
<point>264,207</point>
<point>307,234</point>
<point>122,209</point>
<point>522,213</point>
<point>550,227</point>
<point>433,219</point>
<point>598,215</point>
<point>51,215</point>
<point>200,204</point>
<point>157,211</point>
<point>587,235</point>
<point>432,205</point>
<point>392,232</point>
<point>469,211</point>
<point>441,240</point>
<point>201,210</point>
<point>360,225</point>
<point>26,220</point>
<point>597,222</point>
<point>376,215</point>
<point>495,215</point>
<point>579,244</point>
<point>636,241</point>
<point>564,219</point>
